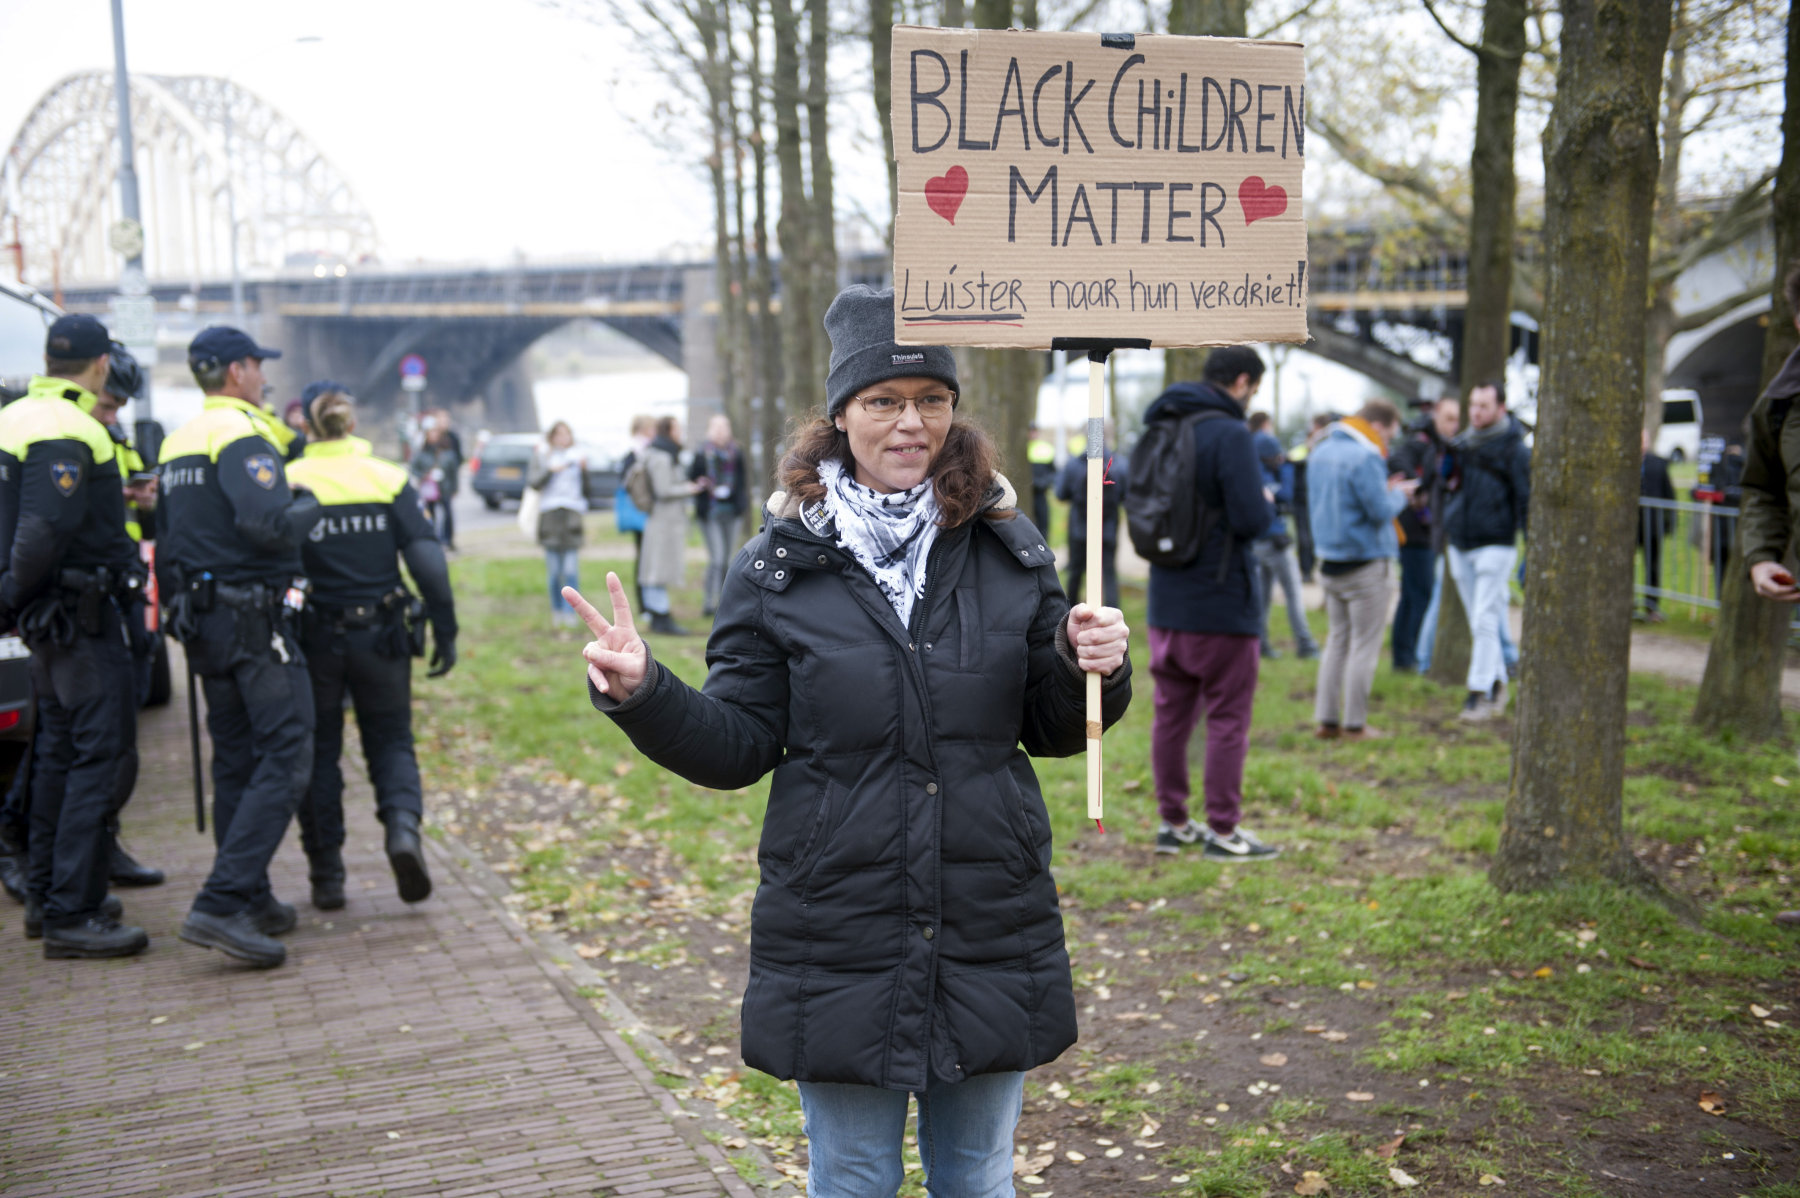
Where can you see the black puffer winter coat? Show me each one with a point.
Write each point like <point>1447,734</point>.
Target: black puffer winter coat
<point>906,925</point>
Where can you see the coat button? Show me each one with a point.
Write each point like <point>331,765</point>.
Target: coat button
<point>759,563</point>
<point>780,574</point>
<point>1025,553</point>
<point>821,559</point>
<point>928,933</point>
<point>781,553</point>
<point>931,788</point>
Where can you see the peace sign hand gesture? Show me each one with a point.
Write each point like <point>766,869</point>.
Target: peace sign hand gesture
<point>616,657</point>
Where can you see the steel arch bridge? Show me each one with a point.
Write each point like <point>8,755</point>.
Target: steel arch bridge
<point>204,145</point>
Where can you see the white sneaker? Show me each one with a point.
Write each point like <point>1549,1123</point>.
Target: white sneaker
<point>1239,846</point>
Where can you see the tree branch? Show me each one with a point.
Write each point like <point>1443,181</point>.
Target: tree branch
<point>1293,16</point>
<point>1705,316</point>
<point>1449,32</point>
<point>1748,210</point>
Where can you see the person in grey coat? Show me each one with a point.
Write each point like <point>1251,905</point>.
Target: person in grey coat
<point>663,563</point>
<point>895,647</point>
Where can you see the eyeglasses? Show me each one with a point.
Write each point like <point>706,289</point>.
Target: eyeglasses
<point>887,408</point>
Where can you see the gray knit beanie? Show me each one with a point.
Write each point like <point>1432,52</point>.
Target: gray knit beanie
<point>860,323</point>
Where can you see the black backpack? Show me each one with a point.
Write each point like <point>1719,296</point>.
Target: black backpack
<point>1163,513</point>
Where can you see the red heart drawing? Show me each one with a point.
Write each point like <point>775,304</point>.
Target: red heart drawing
<point>945,193</point>
<point>1259,200</point>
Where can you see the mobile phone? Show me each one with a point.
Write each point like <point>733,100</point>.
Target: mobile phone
<point>1783,578</point>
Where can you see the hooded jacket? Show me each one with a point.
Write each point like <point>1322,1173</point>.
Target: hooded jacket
<point>906,925</point>
<point>1491,472</point>
<point>1771,479</point>
<point>1193,598</point>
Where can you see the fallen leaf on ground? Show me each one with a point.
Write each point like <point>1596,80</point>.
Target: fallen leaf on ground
<point>1025,1166</point>
<point>1112,1153</point>
<point>1544,972</point>
<point>1313,1029</point>
<point>1312,1182</point>
<point>1360,1096</point>
<point>1401,1177</point>
<point>1488,1179</point>
<point>1386,1151</point>
<point>1641,963</point>
<point>1711,1103</point>
<point>1334,1037</point>
<point>1759,1012</point>
<point>1274,1060</point>
<point>196,1046</point>
<point>1077,1157</point>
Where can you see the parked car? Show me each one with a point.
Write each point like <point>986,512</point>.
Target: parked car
<point>1679,437</point>
<point>497,473</point>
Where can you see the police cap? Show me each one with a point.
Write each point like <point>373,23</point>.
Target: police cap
<point>221,345</point>
<point>77,337</point>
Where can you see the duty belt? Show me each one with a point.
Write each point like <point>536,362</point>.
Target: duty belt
<point>102,580</point>
<point>350,617</point>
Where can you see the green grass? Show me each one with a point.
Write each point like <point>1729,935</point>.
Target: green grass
<point>1380,897</point>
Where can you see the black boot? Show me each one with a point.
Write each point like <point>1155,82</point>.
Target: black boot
<point>327,875</point>
<point>275,918</point>
<point>123,868</point>
<point>407,856</point>
<point>235,936</point>
<point>13,858</point>
<point>96,936</point>
<point>665,623</point>
<point>110,907</point>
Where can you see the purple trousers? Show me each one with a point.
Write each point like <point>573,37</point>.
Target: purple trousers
<point>1199,673</point>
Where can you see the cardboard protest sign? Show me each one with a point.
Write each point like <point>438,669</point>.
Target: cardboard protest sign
<point>1097,185</point>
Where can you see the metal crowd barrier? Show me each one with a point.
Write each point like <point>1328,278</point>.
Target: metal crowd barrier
<point>1683,549</point>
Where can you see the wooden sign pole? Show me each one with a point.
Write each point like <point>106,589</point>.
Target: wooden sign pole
<point>1097,351</point>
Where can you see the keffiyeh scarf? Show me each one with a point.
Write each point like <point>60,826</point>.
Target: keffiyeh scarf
<point>890,536</point>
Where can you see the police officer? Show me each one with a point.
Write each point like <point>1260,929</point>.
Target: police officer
<point>359,637</point>
<point>228,565</point>
<point>68,570</point>
<point>124,381</point>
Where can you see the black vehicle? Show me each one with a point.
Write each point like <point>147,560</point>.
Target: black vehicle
<point>25,316</point>
<point>498,472</point>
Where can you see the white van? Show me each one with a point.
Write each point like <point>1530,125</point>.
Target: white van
<point>1678,439</point>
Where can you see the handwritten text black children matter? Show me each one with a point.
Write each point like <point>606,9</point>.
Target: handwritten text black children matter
<point>1089,185</point>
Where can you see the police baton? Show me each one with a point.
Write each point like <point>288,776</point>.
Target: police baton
<point>193,689</point>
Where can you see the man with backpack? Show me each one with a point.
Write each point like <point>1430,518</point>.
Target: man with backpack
<point>1194,504</point>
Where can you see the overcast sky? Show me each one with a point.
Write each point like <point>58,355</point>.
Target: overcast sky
<point>469,128</point>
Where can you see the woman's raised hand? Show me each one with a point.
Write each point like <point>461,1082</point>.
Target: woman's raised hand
<point>616,657</point>
<point>1099,637</point>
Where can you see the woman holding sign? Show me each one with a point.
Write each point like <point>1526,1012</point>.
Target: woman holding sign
<point>892,645</point>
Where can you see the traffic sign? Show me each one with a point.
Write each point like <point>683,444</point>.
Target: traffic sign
<point>132,320</point>
<point>412,366</point>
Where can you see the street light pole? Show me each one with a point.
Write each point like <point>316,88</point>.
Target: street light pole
<point>131,282</point>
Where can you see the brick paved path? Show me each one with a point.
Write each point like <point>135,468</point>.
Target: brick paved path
<point>400,1051</point>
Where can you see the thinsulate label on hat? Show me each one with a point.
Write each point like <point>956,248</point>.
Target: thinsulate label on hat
<point>1097,185</point>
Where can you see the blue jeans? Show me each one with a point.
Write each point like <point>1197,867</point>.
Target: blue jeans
<point>854,1136</point>
<point>1416,593</point>
<point>564,569</point>
<point>1481,577</point>
<point>1509,652</point>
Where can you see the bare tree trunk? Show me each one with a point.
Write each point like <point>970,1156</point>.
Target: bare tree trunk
<point>765,449</point>
<point>1563,807</point>
<point>824,263</point>
<point>799,334</point>
<point>716,79</point>
<point>881,53</point>
<point>1741,689</point>
<point>1661,324</point>
<point>1487,324</point>
<point>955,15</point>
<point>1200,18</point>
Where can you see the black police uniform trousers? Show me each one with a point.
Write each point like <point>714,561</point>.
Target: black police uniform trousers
<point>87,713</point>
<point>259,712</point>
<point>374,667</point>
